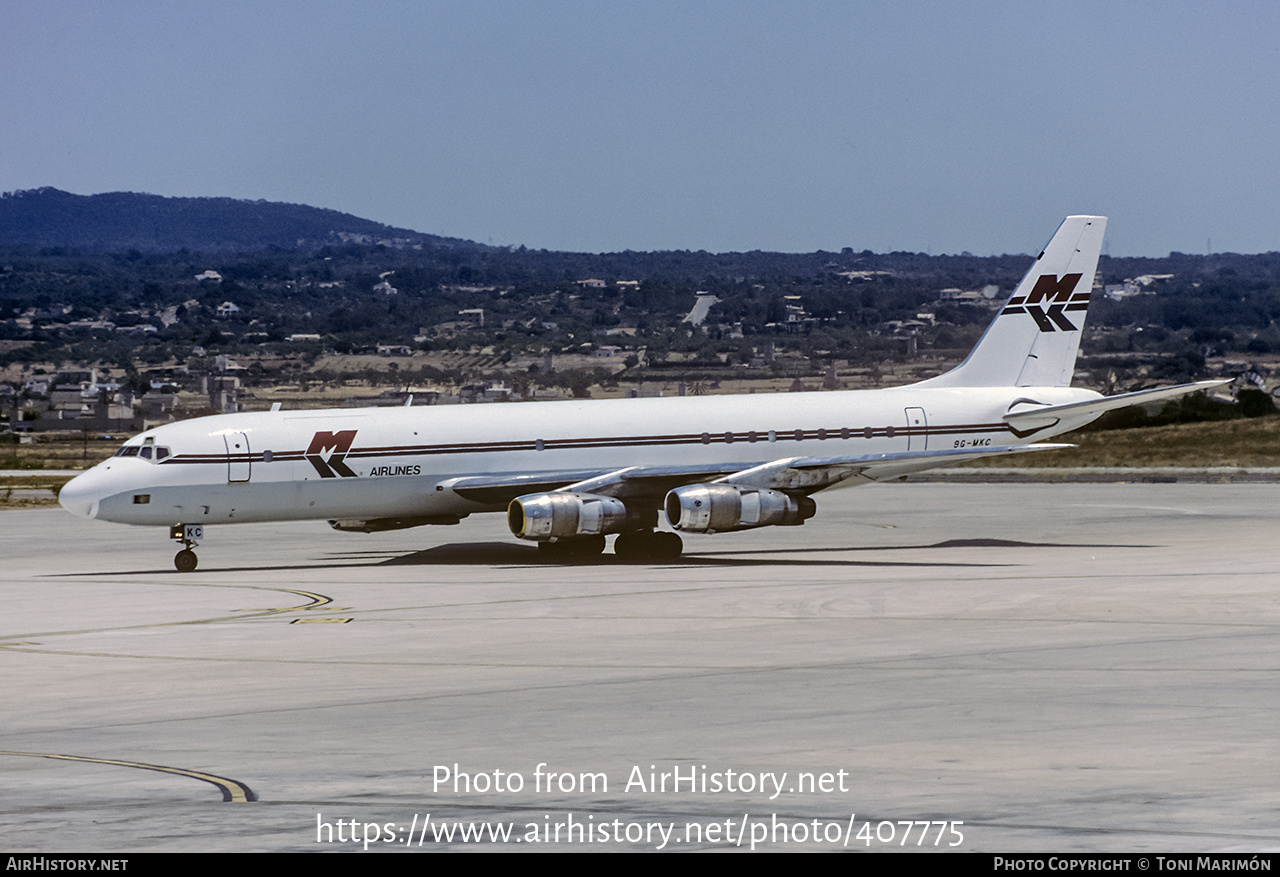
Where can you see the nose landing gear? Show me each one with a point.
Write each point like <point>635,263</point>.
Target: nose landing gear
<point>186,560</point>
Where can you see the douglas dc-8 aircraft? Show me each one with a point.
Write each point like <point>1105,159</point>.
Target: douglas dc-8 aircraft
<point>570,473</point>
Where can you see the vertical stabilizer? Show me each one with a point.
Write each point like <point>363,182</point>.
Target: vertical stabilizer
<point>1034,339</point>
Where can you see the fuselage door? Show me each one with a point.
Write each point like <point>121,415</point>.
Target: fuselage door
<point>917,430</point>
<point>238,465</point>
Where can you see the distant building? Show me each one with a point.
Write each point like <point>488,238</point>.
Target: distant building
<point>81,379</point>
<point>1132,286</point>
<point>474,393</point>
<point>969,296</point>
<point>863,275</point>
<point>158,407</point>
<point>228,309</point>
<point>102,325</point>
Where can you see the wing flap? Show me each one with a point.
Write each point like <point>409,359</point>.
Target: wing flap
<point>498,490</point>
<point>633,481</point>
<point>809,474</point>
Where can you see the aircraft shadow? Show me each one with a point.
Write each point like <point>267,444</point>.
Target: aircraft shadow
<point>949,543</point>
<point>507,554</point>
<point>515,554</point>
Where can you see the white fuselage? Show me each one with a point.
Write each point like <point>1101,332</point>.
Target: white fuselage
<point>392,462</point>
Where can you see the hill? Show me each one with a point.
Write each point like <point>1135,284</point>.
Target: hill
<point>120,221</point>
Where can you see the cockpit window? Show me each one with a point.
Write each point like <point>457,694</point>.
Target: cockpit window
<point>147,452</point>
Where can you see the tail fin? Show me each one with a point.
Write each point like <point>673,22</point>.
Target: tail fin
<point>1034,339</point>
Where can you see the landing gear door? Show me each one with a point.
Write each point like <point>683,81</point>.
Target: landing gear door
<point>238,461</point>
<point>917,430</point>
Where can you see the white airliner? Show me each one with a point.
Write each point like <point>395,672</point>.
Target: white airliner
<point>570,473</point>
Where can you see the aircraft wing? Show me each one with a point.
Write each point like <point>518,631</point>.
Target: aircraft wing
<point>633,481</point>
<point>809,474</point>
<point>796,474</point>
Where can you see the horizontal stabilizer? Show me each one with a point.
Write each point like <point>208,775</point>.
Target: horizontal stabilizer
<point>1035,416</point>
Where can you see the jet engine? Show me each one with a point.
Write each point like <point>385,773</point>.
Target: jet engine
<point>546,517</point>
<point>722,508</point>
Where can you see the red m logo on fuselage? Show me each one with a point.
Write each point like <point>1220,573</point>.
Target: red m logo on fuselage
<point>328,450</point>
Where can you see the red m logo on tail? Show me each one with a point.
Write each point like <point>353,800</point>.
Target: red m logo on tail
<point>1057,295</point>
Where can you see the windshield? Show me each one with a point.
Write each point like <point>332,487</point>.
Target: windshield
<point>154,453</point>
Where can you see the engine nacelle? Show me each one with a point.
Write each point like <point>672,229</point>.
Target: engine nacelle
<point>722,508</point>
<point>546,517</point>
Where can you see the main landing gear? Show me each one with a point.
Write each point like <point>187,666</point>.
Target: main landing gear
<point>186,560</point>
<point>635,545</point>
<point>575,548</point>
<point>642,545</point>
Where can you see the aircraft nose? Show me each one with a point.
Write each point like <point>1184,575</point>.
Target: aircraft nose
<point>80,495</point>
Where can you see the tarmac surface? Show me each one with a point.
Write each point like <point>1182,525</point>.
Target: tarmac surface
<point>1027,667</point>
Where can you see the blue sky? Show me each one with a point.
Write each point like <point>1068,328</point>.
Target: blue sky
<point>922,126</point>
